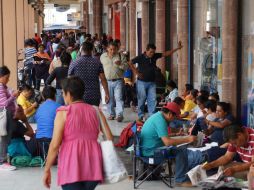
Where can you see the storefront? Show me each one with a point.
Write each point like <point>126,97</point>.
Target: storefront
<point>247,80</point>
<point>207,45</point>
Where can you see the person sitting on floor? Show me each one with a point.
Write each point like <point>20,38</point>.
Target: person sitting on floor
<point>18,145</point>
<point>241,141</point>
<point>23,101</point>
<point>45,117</point>
<point>154,134</point>
<point>215,128</point>
<point>173,91</point>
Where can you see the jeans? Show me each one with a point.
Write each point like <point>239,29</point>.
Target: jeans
<point>146,92</point>
<point>181,164</point>
<point>177,123</point>
<point>59,97</point>
<point>83,185</point>
<point>5,140</point>
<point>31,119</point>
<point>115,98</point>
<point>38,81</point>
<point>196,158</point>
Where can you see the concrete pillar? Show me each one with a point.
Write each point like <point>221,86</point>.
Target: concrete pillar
<point>182,32</point>
<point>145,24</point>
<point>26,19</point>
<point>30,21</point>
<point>160,31</point>
<point>9,39</point>
<point>114,7</point>
<point>97,16</point>
<point>132,25</point>
<point>20,24</point>
<point>229,49</point>
<point>85,16</point>
<point>1,35</point>
<point>40,25</point>
<point>110,17</point>
<point>123,25</point>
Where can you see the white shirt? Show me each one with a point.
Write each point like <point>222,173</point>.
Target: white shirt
<point>172,95</point>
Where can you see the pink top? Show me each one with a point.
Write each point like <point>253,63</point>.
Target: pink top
<point>6,99</point>
<point>80,157</point>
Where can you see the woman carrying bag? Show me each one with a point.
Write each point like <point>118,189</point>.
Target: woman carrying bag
<point>76,130</point>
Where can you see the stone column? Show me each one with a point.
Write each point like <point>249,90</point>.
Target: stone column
<point>114,7</point>
<point>182,32</point>
<point>85,15</point>
<point>110,17</point>
<point>160,32</point>
<point>123,25</point>
<point>31,21</point>
<point>40,25</point>
<point>132,25</point>
<point>229,49</point>
<point>9,39</point>
<point>20,24</point>
<point>145,24</point>
<point>97,16</point>
<point>26,19</point>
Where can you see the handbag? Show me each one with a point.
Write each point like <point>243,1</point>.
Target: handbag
<point>114,169</point>
<point>3,122</point>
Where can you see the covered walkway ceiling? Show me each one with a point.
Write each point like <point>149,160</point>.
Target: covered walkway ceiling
<point>63,2</point>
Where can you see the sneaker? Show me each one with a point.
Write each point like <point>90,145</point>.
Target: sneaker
<point>7,167</point>
<point>119,118</point>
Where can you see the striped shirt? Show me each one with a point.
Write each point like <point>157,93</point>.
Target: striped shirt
<point>29,52</point>
<point>6,99</point>
<point>247,151</point>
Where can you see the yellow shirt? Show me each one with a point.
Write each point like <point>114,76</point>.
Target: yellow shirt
<point>188,106</point>
<point>25,104</point>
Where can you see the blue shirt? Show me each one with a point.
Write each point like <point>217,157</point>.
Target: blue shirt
<point>45,117</point>
<point>152,131</point>
<point>217,135</point>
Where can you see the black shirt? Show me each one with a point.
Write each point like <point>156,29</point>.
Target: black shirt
<point>147,66</point>
<point>59,74</point>
<point>19,131</point>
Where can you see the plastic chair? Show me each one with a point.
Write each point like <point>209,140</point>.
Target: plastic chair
<point>154,164</point>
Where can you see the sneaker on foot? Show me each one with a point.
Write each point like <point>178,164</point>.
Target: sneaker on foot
<point>7,167</point>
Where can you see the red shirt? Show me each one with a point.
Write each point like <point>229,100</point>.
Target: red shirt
<point>246,152</point>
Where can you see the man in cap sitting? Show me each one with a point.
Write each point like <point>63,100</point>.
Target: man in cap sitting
<point>154,134</point>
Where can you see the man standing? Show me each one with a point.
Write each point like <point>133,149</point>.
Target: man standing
<point>145,70</point>
<point>89,69</point>
<point>114,65</point>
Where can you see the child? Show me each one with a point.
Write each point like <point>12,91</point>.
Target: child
<point>23,101</point>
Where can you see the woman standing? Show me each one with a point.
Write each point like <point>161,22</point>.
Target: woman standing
<point>41,66</point>
<point>59,74</point>
<point>76,131</point>
<point>7,100</point>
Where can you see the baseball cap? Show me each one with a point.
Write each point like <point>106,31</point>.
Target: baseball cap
<point>173,107</point>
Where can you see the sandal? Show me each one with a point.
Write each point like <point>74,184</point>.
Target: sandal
<point>111,117</point>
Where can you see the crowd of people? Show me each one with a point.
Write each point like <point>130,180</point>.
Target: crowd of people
<point>198,111</point>
<point>73,68</point>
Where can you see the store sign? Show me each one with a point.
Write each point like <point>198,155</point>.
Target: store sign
<point>62,8</point>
